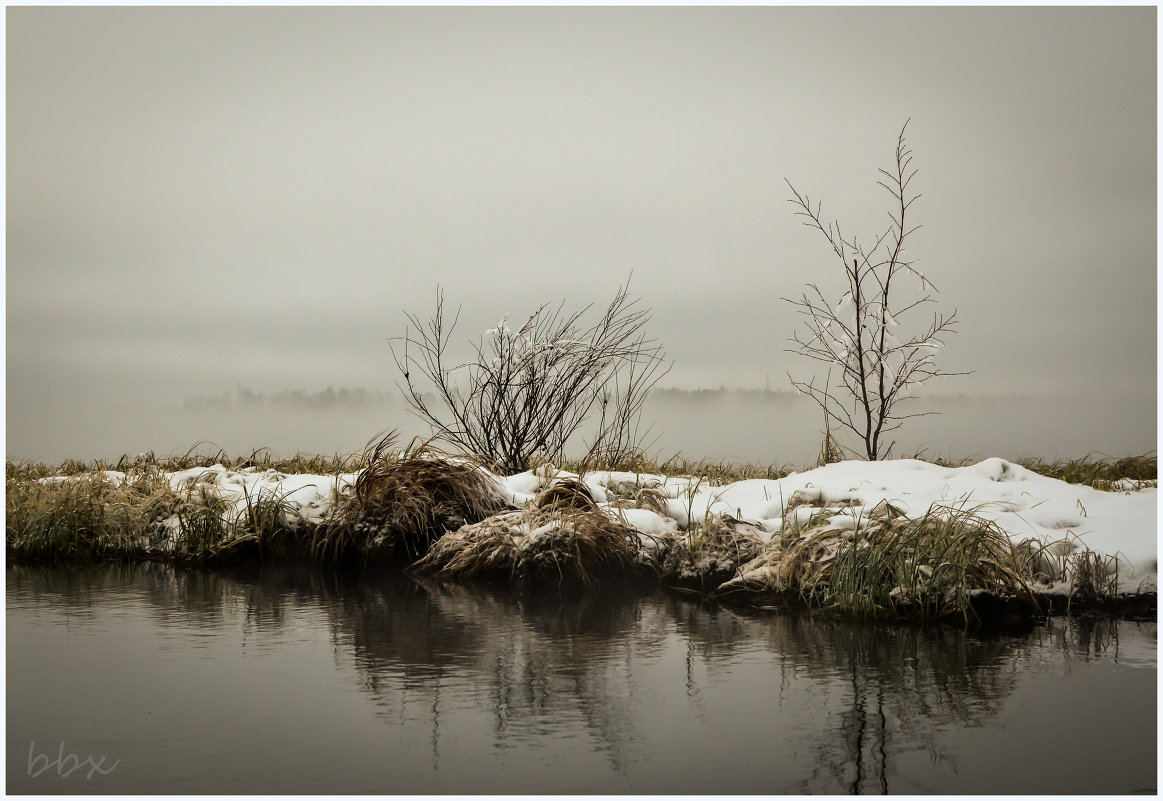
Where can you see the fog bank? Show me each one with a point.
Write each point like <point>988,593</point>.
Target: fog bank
<point>736,426</point>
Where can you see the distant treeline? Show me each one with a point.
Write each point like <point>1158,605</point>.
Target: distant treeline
<point>790,395</point>
<point>297,399</point>
<point>676,394</point>
<point>360,397</point>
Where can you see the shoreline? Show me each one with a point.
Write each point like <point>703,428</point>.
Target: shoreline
<point>888,541</point>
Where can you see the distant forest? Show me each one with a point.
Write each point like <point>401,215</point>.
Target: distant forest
<point>295,399</point>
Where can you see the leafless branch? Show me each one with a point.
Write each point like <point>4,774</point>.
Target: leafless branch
<point>528,392</point>
<point>877,370</point>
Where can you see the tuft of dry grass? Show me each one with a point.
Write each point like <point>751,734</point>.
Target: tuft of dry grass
<point>566,493</point>
<point>710,553</point>
<point>402,502</point>
<point>82,516</point>
<point>891,566</point>
<point>562,539</point>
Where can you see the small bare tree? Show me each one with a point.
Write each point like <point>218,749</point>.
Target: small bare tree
<point>879,366</point>
<point>529,391</point>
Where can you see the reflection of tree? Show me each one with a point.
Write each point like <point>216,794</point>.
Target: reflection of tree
<point>902,683</point>
<point>542,658</point>
<point>539,664</point>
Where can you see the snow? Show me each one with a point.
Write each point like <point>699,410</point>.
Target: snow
<point>1026,505</point>
<point>1121,524</point>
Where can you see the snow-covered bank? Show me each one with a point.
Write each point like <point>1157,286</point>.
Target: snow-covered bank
<point>1120,526</point>
<point>1026,505</point>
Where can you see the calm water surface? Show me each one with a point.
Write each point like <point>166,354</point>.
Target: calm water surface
<point>287,681</point>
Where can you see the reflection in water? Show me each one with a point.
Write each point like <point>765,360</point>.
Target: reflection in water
<point>843,707</point>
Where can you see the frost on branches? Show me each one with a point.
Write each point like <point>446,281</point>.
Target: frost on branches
<point>863,337</point>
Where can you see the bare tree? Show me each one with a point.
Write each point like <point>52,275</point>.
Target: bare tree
<point>878,365</point>
<point>529,391</point>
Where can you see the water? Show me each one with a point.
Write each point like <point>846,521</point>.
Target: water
<point>287,681</point>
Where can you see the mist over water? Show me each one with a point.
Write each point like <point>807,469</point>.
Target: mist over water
<point>764,427</point>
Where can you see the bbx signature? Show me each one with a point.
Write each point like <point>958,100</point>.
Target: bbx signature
<point>66,764</point>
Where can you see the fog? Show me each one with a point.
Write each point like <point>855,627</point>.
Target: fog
<point>203,200</point>
<point>762,427</point>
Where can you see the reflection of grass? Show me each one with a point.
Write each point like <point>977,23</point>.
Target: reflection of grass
<point>538,657</point>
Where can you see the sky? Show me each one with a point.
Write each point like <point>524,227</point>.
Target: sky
<point>212,199</point>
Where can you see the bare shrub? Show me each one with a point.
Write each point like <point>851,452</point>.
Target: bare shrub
<point>878,366</point>
<point>527,392</point>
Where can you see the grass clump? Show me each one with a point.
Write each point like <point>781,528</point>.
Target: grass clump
<point>402,502</point>
<point>82,516</point>
<point>935,566</point>
<point>1066,572</point>
<point>267,525</point>
<point>946,563</point>
<point>562,538</point>
<point>202,526</point>
<point>710,553</point>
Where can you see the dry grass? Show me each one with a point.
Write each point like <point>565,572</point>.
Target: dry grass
<point>1098,471</point>
<point>561,539</point>
<point>710,553</point>
<point>1091,577</point>
<point>202,454</point>
<point>890,566</point>
<point>714,472</point>
<point>403,502</point>
<point>566,493</point>
<point>83,516</point>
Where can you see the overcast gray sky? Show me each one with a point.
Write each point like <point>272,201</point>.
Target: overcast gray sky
<point>203,199</point>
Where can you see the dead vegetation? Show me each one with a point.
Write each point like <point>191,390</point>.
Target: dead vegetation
<point>562,538</point>
<point>403,501</point>
<point>1099,471</point>
<point>448,517</point>
<point>710,553</point>
<point>890,566</point>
